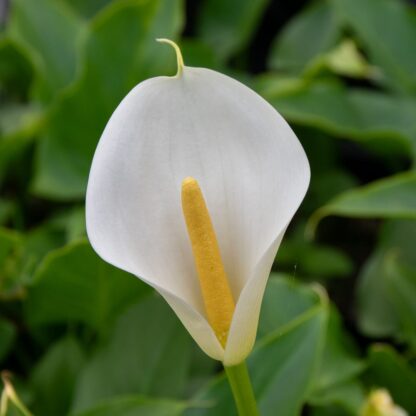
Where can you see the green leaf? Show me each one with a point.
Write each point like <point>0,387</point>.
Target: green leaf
<point>87,8</point>
<point>316,26</point>
<point>227,26</point>
<point>401,285</point>
<point>328,178</point>
<point>389,370</point>
<point>75,225</point>
<point>313,260</point>
<point>326,185</point>
<point>352,113</point>
<point>109,73</point>
<point>135,406</point>
<point>15,70</point>
<point>16,117</point>
<point>387,29</point>
<point>199,54</point>
<point>282,368</point>
<point>344,399</point>
<point>339,362</point>
<point>202,368</point>
<point>285,299</point>
<point>378,314</point>
<point>49,33</point>
<point>72,222</point>
<point>8,241</point>
<point>36,244</point>
<point>335,383</point>
<point>53,378</point>
<point>10,244</point>
<point>393,197</point>
<point>21,253</point>
<point>19,123</point>
<point>25,255</point>
<point>330,411</point>
<point>148,352</point>
<point>7,337</point>
<point>74,284</point>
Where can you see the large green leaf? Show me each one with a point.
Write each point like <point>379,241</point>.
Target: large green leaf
<point>389,370</point>
<point>326,185</point>
<point>10,242</point>
<point>147,353</point>
<point>15,119</point>
<point>15,70</point>
<point>19,123</point>
<point>339,362</point>
<point>87,8</point>
<point>382,311</point>
<point>202,368</point>
<point>312,32</point>
<point>53,378</point>
<point>328,179</point>
<point>311,259</point>
<point>120,52</point>
<point>74,284</point>
<point>284,364</point>
<point>376,314</point>
<point>21,253</point>
<point>228,25</point>
<point>285,299</point>
<point>36,244</point>
<point>352,113</point>
<point>393,197</point>
<point>345,399</point>
<point>49,33</point>
<point>199,54</point>
<point>135,406</point>
<point>387,29</point>
<point>73,223</point>
<point>401,286</point>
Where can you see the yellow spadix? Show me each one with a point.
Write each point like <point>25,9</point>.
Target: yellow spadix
<point>218,299</point>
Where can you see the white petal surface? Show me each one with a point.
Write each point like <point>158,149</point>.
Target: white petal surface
<point>251,169</point>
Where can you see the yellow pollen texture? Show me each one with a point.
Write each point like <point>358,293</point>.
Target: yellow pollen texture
<point>218,299</point>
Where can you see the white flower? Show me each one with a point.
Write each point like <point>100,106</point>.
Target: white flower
<point>252,171</point>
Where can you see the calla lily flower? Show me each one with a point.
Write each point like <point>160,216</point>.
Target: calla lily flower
<point>245,164</point>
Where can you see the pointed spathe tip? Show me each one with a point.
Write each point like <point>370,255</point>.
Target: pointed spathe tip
<point>178,52</point>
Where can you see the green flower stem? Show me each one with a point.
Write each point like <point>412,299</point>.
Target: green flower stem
<point>240,383</point>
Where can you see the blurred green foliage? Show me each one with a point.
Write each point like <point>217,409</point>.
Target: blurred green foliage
<point>85,339</point>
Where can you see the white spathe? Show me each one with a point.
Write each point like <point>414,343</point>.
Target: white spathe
<point>250,166</point>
